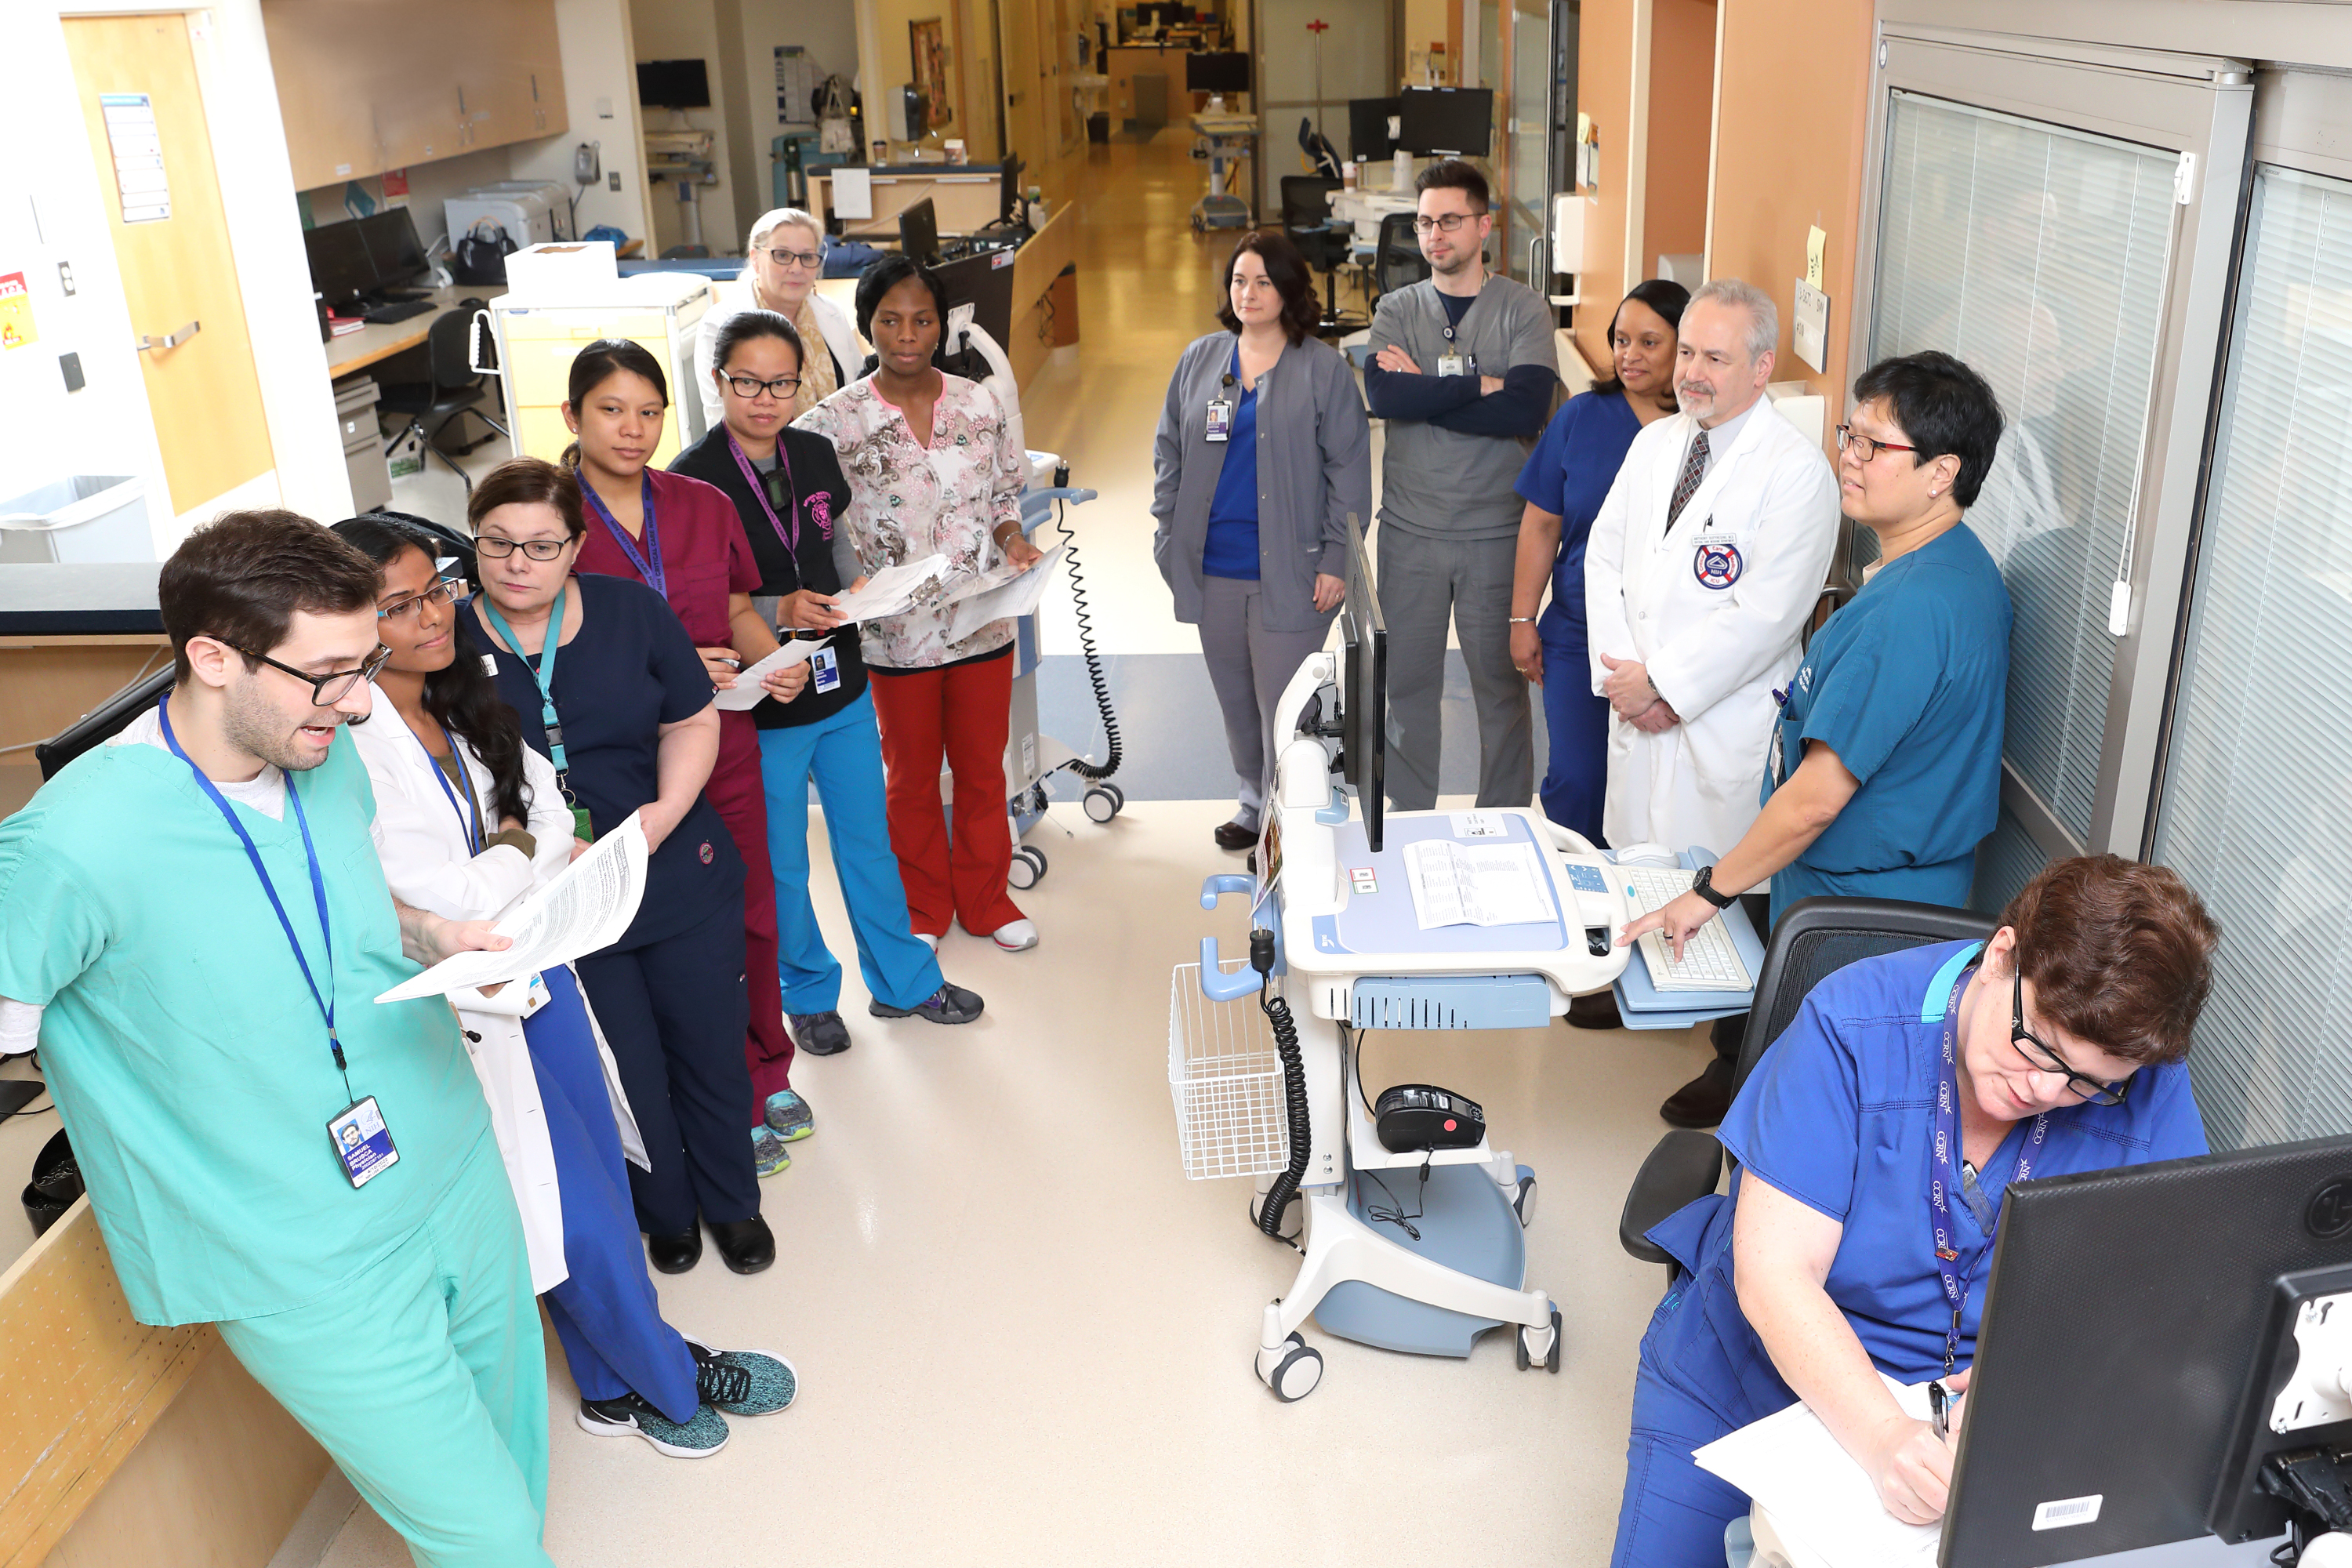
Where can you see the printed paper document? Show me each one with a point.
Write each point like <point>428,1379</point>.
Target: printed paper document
<point>746,691</point>
<point>890,590</point>
<point>996,594</point>
<point>587,906</point>
<point>1491,885</point>
<point>1817,1496</point>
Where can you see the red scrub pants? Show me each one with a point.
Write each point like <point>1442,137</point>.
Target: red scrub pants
<point>740,797</point>
<point>961,711</point>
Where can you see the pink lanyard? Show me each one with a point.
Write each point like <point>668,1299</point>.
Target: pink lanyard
<point>791,542</point>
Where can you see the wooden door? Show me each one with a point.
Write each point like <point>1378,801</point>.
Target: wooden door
<point>177,268</point>
<point>1025,83</point>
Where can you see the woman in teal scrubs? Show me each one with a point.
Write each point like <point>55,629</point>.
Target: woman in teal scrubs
<point>2058,1045</point>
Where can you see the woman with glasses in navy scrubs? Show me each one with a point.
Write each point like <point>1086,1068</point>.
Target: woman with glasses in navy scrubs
<point>1846,1247</point>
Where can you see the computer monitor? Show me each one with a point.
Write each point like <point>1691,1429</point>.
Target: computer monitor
<point>1010,209</point>
<point>1368,141</point>
<point>918,231</point>
<point>1217,73</point>
<point>2131,1351</point>
<point>673,84</point>
<point>392,245</point>
<point>1363,688</point>
<point>341,268</point>
<point>1446,121</point>
<point>985,282</point>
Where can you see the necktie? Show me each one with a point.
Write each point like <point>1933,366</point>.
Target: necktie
<point>1693,470</point>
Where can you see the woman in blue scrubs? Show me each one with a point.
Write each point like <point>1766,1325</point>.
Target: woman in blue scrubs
<point>1566,480</point>
<point>2058,1045</point>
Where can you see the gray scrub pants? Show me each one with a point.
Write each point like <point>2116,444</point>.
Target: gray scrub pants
<point>1424,583</point>
<point>1249,664</point>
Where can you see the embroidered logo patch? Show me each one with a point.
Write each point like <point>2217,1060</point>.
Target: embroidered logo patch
<point>708,854</point>
<point>820,510</point>
<point>1717,565</point>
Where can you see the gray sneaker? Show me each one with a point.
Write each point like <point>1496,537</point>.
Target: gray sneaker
<point>948,1005</point>
<point>819,1034</point>
<point>698,1439</point>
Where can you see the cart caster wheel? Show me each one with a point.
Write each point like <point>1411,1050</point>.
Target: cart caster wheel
<point>1103,802</point>
<point>1523,1204</point>
<point>1292,1369</point>
<point>1028,868</point>
<point>1523,1343</point>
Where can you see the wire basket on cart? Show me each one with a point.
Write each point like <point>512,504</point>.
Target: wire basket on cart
<point>1226,1080</point>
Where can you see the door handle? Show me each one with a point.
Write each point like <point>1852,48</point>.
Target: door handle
<point>173,341</point>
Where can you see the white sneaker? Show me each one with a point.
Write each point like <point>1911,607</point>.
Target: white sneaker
<point>1018,937</point>
<point>928,941</point>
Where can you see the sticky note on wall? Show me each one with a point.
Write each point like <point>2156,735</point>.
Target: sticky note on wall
<point>1815,242</point>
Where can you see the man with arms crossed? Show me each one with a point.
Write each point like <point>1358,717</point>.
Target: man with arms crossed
<point>1463,372</point>
<point>197,911</point>
<point>1704,564</point>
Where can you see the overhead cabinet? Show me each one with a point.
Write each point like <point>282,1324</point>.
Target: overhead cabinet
<point>370,85</point>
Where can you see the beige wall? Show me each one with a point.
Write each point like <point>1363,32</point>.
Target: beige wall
<point>1681,120</point>
<point>1604,90</point>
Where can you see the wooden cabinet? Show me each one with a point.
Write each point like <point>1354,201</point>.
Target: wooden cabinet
<point>370,85</point>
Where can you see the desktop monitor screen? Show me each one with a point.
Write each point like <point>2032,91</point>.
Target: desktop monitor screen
<point>1456,122</point>
<point>1227,72</point>
<point>1368,141</point>
<point>2119,1397</point>
<point>1364,687</point>
<point>918,231</point>
<point>340,268</point>
<point>673,84</point>
<point>392,245</point>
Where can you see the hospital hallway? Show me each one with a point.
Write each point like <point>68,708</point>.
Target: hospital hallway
<point>1024,1337</point>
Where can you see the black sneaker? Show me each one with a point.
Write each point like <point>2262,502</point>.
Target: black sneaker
<point>948,1005</point>
<point>698,1439</point>
<point>820,1034</point>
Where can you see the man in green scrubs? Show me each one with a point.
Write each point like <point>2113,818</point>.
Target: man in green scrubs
<point>198,908</point>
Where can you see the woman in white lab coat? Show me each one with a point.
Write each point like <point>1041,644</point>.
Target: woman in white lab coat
<point>469,819</point>
<point>783,258</point>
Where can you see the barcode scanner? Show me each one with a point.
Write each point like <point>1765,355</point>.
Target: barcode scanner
<point>1422,1116</point>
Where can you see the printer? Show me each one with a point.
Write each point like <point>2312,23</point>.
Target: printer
<point>532,212</point>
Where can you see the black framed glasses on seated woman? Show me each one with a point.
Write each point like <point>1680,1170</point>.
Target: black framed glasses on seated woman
<point>499,549</point>
<point>2042,1058</point>
<point>1865,448</point>
<point>331,688</point>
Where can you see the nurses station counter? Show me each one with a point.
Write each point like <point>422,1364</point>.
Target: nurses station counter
<point>71,635</point>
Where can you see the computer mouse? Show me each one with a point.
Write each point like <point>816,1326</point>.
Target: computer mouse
<point>1645,855</point>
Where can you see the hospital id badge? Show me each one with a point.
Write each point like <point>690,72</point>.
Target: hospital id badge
<point>362,1142</point>
<point>534,995</point>
<point>825,666</point>
<point>1453,364</point>
<point>1221,419</point>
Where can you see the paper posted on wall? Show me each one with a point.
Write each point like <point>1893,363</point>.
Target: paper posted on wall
<point>588,905</point>
<point>889,591</point>
<point>1005,591</point>
<point>746,693</point>
<point>1490,885</point>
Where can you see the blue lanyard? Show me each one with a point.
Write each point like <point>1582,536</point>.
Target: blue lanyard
<point>475,837</point>
<point>649,564</point>
<point>543,672</point>
<point>317,885</point>
<point>1943,1158</point>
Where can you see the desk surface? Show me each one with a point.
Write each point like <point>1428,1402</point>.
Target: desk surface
<point>70,599</point>
<point>359,350</point>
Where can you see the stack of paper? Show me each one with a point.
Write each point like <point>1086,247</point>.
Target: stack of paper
<point>1491,885</point>
<point>890,591</point>
<point>1001,590</point>
<point>1818,1497</point>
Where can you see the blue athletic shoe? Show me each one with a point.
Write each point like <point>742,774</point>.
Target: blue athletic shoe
<point>743,1383</point>
<point>790,1116</point>
<point>698,1439</point>
<point>768,1154</point>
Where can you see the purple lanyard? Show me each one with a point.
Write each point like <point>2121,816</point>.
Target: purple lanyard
<point>649,565</point>
<point>1942,1177</point>
<point>750,477</point>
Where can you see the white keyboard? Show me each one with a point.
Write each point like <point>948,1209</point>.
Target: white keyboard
<point>1710,961</point>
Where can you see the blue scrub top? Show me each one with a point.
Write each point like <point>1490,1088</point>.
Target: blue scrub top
<point>1837,1116</point>
<point>1909,685</point>
<point>1231,548</point>
<point>1568,474</point>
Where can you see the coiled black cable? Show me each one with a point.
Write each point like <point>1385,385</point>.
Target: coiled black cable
<point>1095,677</point>
<point>1294,1089</point>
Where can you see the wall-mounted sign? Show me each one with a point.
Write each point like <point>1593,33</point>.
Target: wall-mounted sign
<point>138,149</point>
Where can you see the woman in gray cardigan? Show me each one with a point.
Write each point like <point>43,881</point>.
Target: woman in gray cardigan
<point>1263,450</point>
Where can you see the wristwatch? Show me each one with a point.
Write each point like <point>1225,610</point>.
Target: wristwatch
<point>1704,886</point>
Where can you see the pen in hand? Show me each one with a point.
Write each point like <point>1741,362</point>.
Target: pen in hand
<point>1940,1404</point>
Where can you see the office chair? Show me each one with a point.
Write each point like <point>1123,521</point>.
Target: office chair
<point>450,394</point>
<point>1322,158</point>
<point>1397,259</point>
<point>1306,219</point>
<point>101,723</point>
<point>1815,938</point>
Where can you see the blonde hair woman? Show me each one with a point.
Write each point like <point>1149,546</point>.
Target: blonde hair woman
<point>783,257</point>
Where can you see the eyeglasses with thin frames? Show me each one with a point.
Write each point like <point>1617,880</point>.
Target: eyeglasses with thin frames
<point>749,387</point>
<point>328,689</point>
<point>499,549</point>
<point>806,260</point>
<point>1444,223</point>
<point>2042,1058</point>
<point>1864,447</point>
<point>442,591</point>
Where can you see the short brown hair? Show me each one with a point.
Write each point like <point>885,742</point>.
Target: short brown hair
<point>2119,953</point>
<point>1287,270</point>
<point>528,481</point>
<point>241,578</point>
<point>1456,174</point>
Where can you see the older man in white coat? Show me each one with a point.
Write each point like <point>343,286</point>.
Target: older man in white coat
<point>1704,564</point>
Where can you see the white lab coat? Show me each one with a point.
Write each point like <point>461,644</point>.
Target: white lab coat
<point>426,864</point>
<point>1715,653</point>
<point>730,301</point>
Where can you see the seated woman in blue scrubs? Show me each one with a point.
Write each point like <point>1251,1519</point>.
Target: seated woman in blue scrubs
<point>2058,1045</point>
<point>1566,477</point>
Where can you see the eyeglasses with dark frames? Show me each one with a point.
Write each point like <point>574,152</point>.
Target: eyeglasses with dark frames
<point>1445,223</point>
<point>443,591</point>
<point>749,387</point>
<point>1867,448</point>
<point>498,548</point>
<point>2042,1058</point>
<point>328,689</point>
<point>805,259</point>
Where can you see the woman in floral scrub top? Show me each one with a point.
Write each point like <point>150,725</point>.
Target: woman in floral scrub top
<point>932,470</point>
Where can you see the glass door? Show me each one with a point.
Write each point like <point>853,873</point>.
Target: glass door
<point>1525,144</point>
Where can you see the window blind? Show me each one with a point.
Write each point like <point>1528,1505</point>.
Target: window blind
<point>2258,775</point>
<point>2037,254</point>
